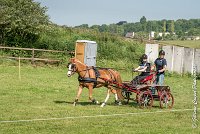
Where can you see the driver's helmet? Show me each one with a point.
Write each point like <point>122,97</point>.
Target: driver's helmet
<point>144,56</point>
<point>162,52</point>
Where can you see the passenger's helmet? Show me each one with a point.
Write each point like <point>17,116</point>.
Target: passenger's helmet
<point>144,56</point>
<point>162,52</point>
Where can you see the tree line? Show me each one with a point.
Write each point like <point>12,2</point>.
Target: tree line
<point>180,27</point>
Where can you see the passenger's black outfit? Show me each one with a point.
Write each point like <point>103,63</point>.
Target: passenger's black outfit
<point>140,77</point>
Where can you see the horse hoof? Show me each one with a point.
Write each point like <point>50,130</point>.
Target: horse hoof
<point>103,104</point>
<point>97,102</point>
<point>74,104</point>
<point>119,103</point>
<point>116,102</point>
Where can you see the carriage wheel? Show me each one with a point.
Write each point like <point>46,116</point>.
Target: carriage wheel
<point>166,100</point>
<point>126,96</point>
<point>145,99</point>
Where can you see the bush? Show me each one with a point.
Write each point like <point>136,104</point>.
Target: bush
<point>110,47</point>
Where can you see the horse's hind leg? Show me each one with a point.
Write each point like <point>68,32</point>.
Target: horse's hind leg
<point>116,97</point>
<point>80,88</point>
<point>107,97</point>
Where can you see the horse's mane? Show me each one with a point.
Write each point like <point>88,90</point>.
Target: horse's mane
<point>78,61</point>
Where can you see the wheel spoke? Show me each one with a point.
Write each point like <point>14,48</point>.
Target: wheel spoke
<point>145,100</point>
<point>166,100</point>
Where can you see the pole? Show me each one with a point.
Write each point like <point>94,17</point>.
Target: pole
<point>33,53</point>
<point>19,70</point>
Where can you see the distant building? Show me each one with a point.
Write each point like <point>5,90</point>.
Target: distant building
<point>160,34</point>
<point>167,33</point>
<point>130,35</point>
<point>196,38</point>
<point>188,38</point>
<point>192,37</point>
<point>152,34</point>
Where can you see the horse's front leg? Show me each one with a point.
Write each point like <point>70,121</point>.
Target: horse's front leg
<point>107,97</point>
<point>80,88</point>
<point>90,95</point>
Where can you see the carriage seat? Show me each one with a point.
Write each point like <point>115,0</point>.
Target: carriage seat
<point>147,79</point>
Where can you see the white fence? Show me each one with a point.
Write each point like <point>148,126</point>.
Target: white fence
<point>179,59</point>
<point>152,52</point>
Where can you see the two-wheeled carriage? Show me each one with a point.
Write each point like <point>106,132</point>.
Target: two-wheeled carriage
<point>146,92</point>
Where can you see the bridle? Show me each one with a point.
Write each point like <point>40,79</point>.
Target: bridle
<point>73,68</point>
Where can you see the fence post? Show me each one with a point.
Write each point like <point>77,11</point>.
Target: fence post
<point>193,60</point>
<point>172,67</point>
<point>19,69</point>
<point>182,61</point>
<point>33,53</point>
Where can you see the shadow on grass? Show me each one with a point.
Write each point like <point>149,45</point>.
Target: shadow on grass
<point>130,104</point>
<point>136,105</point>
<point>156,106</point>
<point>78,103</point>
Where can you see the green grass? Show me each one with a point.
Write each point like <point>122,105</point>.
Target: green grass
<point>184,43</point>
<point>46,92</point>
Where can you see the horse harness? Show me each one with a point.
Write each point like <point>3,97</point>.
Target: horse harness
<point>92,80</point>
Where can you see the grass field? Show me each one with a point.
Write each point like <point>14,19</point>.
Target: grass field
<point>184,43</point>
<point>46,92</point>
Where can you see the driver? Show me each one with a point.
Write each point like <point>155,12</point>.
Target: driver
<point>144,68</point>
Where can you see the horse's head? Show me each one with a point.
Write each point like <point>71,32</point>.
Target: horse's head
<point>72,68</point>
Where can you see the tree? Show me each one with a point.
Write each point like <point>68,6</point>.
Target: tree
<point>178,27</point>
<point>83,26</point>
<point>130,27</point>
<point>194,32</point>
<point>138,27</point>
<point>21,21</point>
<point>143,21</point>
<point>164,26</point>
<point>121,22</point>
<point>103,28</point>
<point>149,26</point>
<point>120,30</point>
<point>171,26</point>
<point>113,28</point>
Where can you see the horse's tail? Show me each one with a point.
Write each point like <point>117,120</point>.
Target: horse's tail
<point>119,90</point>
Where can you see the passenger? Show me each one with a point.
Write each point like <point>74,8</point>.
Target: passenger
<point>161,65</point>
<point>144,68</point>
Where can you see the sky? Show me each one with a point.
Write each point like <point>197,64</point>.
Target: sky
<point>98,12</point>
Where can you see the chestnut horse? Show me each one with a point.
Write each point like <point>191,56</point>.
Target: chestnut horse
<point>88,78</point>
